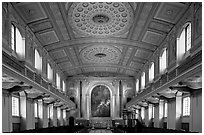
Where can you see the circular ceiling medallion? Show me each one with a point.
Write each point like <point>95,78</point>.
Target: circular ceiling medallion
<point>100,18</point>
<point>100,54</point>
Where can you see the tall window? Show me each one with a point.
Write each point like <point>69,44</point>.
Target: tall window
<point>36,109</point>
<point>163,61</point>
<point>50,111</point>
<point>153,111</point>
<point>64,114</point>
<point>38,61</point>
<point>143,80</point>
<point>49,72</point>
<point>165,109</point>
<point>150,109</point>
<point>137,86</point>
<point>63,86</point>
<point>58,81</point>
<point>184,41</point>
<point>15,106</point>
<point>142,112</point>
<point>186,106</point>
<point>58,113</point>
<point>17,41</point>
<point>151,72</point>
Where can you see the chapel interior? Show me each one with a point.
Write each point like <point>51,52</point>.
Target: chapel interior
<point>102,67</point>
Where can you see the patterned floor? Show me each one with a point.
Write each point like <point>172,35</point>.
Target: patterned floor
<point>100,131</point>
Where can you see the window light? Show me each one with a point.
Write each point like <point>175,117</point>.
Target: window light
<point>186,106</point>
<point>151,72</point>
<point>137,86</point>
<point>38,61</point>
<point>143,81</point>
<point>17,42</point>
<point>64,114</point>
<point>58,113</point>
<point>63,86</point>
<point>58,81</point>
<point>36,109</point>
<point>184,41</point>
<point>142,112</point>
<point>15,106</point>
<point>165,109</point>
<point>49,72</point>
<point>163,61</point>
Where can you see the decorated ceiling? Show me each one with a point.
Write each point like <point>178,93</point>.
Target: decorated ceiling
<point>99,37</point>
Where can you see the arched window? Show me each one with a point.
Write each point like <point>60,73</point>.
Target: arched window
<point>184,41</point>
<point>49,72</point>
<point>163,61</point>
<point>151,72</point>
<point>137,85</point>
<point>38,61</point>
<point>17,42</point>
<point>63,86</point>
<point>143,80</point>
<point>58,81</point>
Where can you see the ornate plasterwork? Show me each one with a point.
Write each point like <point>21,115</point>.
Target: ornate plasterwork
<point>100,18</point>
<point>100,54</point>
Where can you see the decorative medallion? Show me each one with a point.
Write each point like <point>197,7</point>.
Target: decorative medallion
<point>100,54</point>
<point>100,18</point>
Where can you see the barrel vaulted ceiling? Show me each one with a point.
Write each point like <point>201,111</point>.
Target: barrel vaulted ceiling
<point>101,37</point>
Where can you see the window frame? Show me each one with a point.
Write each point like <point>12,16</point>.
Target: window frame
<point>162,69</point>
<point>165,109</point>
<point>151,71</point>
<point>17,97</point>
<point>137,86</point>
<point>189,110</point>
<point>179,54</point>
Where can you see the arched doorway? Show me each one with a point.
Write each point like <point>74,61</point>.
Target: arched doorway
<point>100,101</point>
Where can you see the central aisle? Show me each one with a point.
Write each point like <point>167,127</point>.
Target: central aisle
<point>100,131</point>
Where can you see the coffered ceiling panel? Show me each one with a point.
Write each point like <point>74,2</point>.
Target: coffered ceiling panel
<point>58,54</point>
<point>65,65</point>
<point>36,27</point>
<point>153,38</point>
<point>48,37</point>
<point>100,37</point>
<point>161,26</point>
<point>136,65</point>
<point>170,12</point>
<point>142,54</point>
<point>31,11</point>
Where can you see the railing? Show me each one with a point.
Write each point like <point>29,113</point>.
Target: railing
<point>165,78</point>
<point>22,69</point>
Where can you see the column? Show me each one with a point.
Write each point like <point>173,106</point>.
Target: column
<point>161,113</point>
<point>87,106</point>
<point>195,124</point>
<point>6,112</point>
<point>26,112</point>
<point>61,118</point>
<point>156,116</point>
<point>113,108</point>
<point>45,115</point>
<point>40,113</point>
<point>54,116</point>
